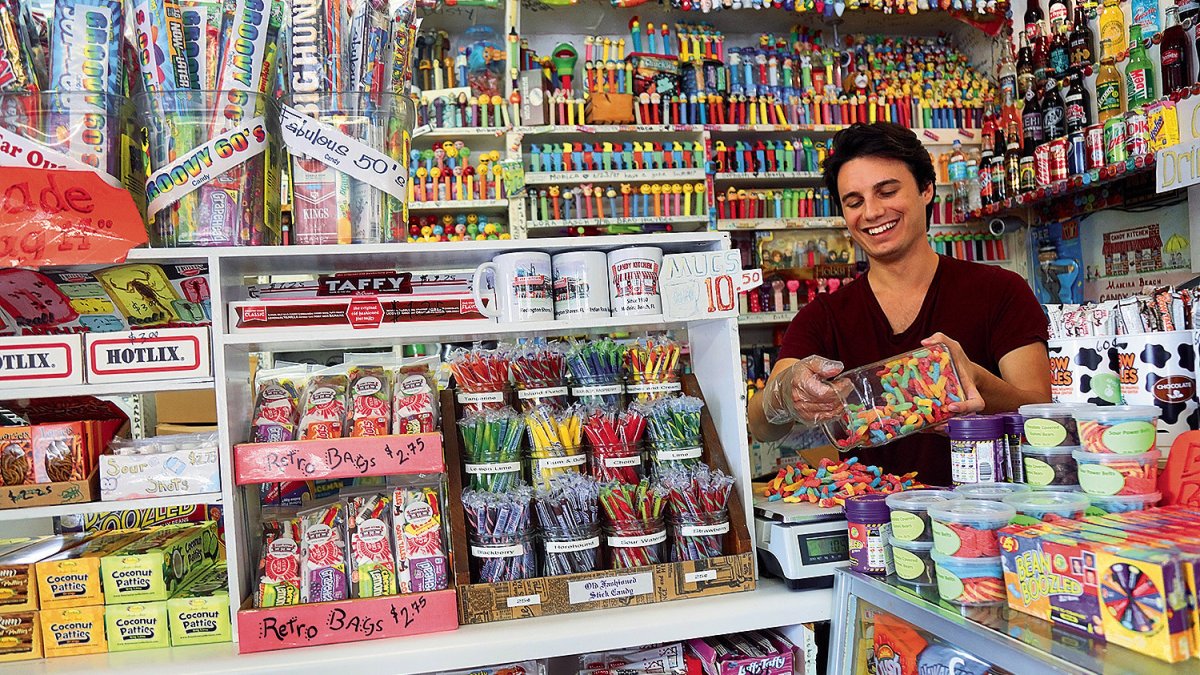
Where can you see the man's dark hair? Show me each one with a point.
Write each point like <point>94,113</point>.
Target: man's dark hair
<point>881,139</point>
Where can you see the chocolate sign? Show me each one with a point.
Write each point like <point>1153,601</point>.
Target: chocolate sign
<point>1174,389</point>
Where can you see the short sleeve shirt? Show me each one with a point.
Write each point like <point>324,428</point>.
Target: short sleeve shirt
<point>990,311</point>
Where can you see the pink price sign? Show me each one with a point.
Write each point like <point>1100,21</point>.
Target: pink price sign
<point>338,458</point>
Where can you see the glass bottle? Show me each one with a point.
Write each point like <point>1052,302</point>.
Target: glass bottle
<point>1006,73</point>
<point>1054,123</point>
<point>1082,41</point>
<point>1028,175</point>
<point>1025,73</point>
<point>1012,162</point>
<point>1188,9</point>
<point>986,195</point>
<point>1112,30</point>
<point>1033,22</point>
<point>1110,99</point>
<point>999,180</point>
<point>1139,72</point>
<point>1058,13</point>
<point>1079,107</point>
<point>1176,59</point>
<point>1031,119</point>
<point>1060,53</point>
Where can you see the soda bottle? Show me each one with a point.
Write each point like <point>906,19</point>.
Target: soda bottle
<point>984,183</point>
<point>1012,162</point>
<point>1033,23</point>
<point>1082,41</point>
<point>1079,107</point>
<point>1025,74</point>
<point>1054,122</point>
<point>1028,175</point>
<point>1188,9</point>
<point>1031,119</point>
<point>999,180</point>
<point>1060,53</point>
<point>1058,13</point>
<point>974,201</point>
<point>957,169</point>
<point>1176,59</point>
<point>1139,73</point>
<point>1112,30</point>
<point>1110,99</point>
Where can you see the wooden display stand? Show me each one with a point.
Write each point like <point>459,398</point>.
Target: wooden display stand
<point>543,596</point>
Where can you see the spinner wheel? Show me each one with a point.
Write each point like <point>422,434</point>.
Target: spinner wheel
<point>1131,597</point>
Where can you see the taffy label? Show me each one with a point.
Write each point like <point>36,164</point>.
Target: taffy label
<point>945,540</point>
<point>203,164</point>
<point>704,530</point>
<point>1044,433</point>
<point>677,455</point>
<point>323,142</point>
<point>597,390</point>
<point>950,587</point>
<point>544,392</point>
<point>510,551</point>
<point>653,388</point>
<point>573,546</point>
<point>559,462</point>
<point>1037,472</point>
<point>1099,479</point>
<point>21,152</point>
<point>467,398</point>
<point>907,526</point>
<point>491,469</point>
<point>908,565</point>
<point>638,541</point>
<point>617,462</point>
<point>608,588</point>
<point>1130,438</point>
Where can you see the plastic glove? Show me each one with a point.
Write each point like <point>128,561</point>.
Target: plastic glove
<point>802,392</point>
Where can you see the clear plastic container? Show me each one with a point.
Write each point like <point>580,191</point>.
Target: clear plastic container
<point>214,167</point>
<point>894,398</point>
<point>970,581</point>
<point>570,550</point>
<point>1052,425</point>
<point>1119,429</point>
<point>1049,467</point>
<point>496,558</point>
<point>910,520</point>
<point>635,543</point>
<point>617,461</point>
<point>1039,505</point>
<point>698,537</point>
<point>913,561</point>
<point>967,528</point>
<point>1107,474</point>
<point>1122,504</point>
<point>993,492</point>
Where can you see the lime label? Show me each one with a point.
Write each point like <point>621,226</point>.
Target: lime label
<point>1108,387</point>
<point>1024,520</point>
<point>945,540</point>
<point>1130,438</point>
<point>1037,472</point>
<point>1042,433</point>
<point>907,526</point>
<point>950,587</point>
<point>908,565</point>
<point>1098,479</point>
<point>1094,511</point>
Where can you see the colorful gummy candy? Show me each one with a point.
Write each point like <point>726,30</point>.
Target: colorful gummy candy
<point>981,590</point>
<point>1107,474</point>
<point>1122,429</point>
<point>913,392</point>
<point>966,528</point>
<point>831,483</point>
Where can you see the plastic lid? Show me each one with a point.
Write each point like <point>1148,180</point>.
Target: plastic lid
<point>919,546</point>
<point>1110,458</point>
<point>975,424</point>
<point>1012,421</point>
<point>1053,409</point>
<point>1148,498</point>
<point>990,491</point>
<point>973,511</point>
<point>870,508</point>
<point>966,563</point>
<point>919,500</point>
<point>1120,412</point>
<point>1058,450</point>
<point>1056,488</point>
<point>1048,501</point>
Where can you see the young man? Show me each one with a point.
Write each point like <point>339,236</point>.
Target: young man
<point>883,178</point>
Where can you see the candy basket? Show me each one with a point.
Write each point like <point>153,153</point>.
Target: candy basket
<point>894,398</point>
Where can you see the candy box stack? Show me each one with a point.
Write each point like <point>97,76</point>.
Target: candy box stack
<point>761,652</point>
<point>895,397</point>
<point>153,567</point>
<point>198,613</point>
<point>72,578</point>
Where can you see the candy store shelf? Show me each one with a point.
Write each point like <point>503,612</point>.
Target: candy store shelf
<point>109,389</point>
<point>451,133</point>
<point>765,318</point>
<point>608,222</point>
<point>1008,639</point>
<point>765,175</point>
<point>772,604</point>
<point>1073,185</point>
<point>775,128</point>
<point>108,507</point>
<point>733,224</point>
<point>550,177</point>
<point>460,205</point>
<point>568,129</point>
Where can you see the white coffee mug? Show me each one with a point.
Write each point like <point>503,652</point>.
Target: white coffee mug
<point>633,280</point>
<point>581,285</point>
<point>522,283</point>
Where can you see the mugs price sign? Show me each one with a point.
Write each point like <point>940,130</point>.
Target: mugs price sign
<point>705,285</point>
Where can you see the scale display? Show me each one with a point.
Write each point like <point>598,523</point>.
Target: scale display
<point>824,549</point>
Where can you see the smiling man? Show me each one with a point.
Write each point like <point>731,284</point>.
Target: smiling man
<point>883,179</point>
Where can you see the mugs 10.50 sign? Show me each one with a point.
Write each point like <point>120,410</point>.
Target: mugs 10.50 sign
<point>705,285</point>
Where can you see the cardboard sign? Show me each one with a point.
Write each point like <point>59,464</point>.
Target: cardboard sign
<point>41,361</point>
<point>60,217</point>
<point>1177,166</point>
<point>159,354</point>
<point>338,458</point>
<point>705,285</point>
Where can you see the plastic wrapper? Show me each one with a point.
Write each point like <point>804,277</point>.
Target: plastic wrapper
<point>276,415</point>
<point>419,536</point>
<point>370,401</point>
<point>279,564</point>
<point>323,413</point>
<point>414,401</point>
<point>372,563</point>
<point>323,555</point>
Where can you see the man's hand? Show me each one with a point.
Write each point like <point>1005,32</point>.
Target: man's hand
<point>802,393</point>
<point>972,401</point>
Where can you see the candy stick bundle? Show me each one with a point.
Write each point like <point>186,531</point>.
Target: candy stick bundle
<point>540,373</point>
<point>597,371</point>
<point>653,365</point>
<point>699,498</point>
<point>635,528</point>
<point>615,439</point>
<point>498,527</point>
<point>481,376</point>
<point>568,511</point>
<point>555,442</point>
<point>674,429</point>
<point>492,448</point>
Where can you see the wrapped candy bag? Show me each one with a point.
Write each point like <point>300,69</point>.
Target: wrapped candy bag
<point>325,399</point>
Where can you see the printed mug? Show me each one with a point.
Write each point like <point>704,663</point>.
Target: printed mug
<point>581,284</point>
<point>522,284</point>
<point>633,280</point>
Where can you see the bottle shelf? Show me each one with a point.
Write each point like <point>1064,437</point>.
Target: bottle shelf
<point>1072,185</point>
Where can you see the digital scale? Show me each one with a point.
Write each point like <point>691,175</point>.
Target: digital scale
<point>800,543</point>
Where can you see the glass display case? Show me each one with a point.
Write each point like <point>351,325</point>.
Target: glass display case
<point>884,628</point>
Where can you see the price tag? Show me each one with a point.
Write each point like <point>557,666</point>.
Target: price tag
<point>705,285</point>
<point>64,217</point>
<point>318,140</point>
